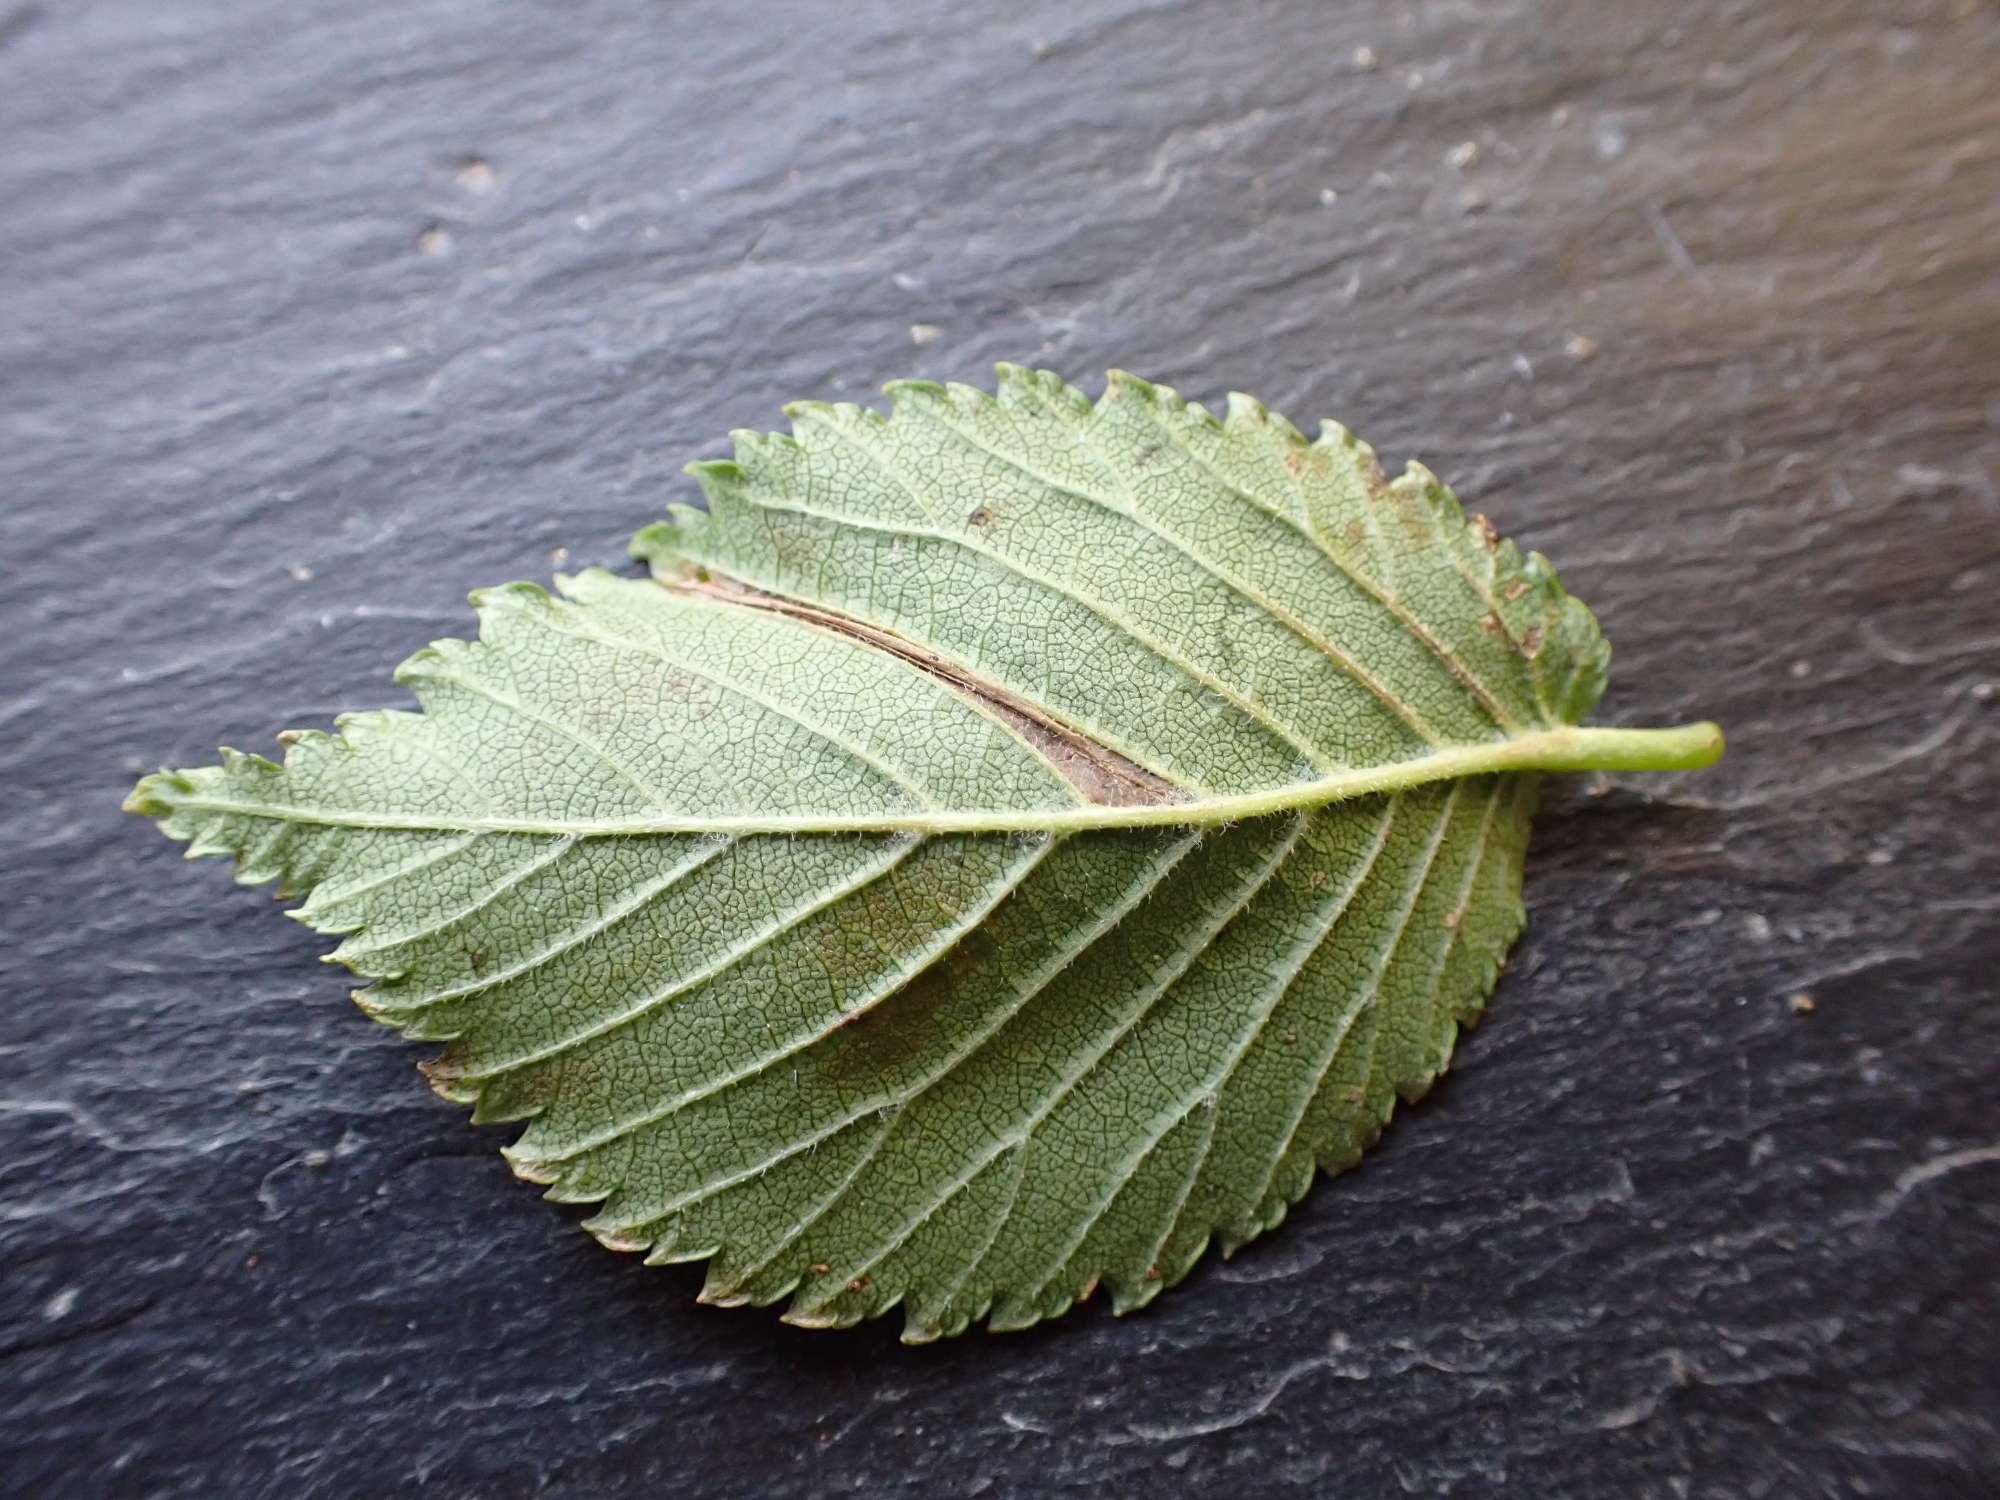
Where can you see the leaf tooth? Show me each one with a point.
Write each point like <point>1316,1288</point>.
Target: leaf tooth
<point>446,1087</point>
<point>242,761</point>
<point>910,393</point>
<point>1170,1267</point>
<point>515,595</point>
<point>1168,402</point>
<point>1020,385</point>
<point>712,1295</point>
<point>1243,410</point>
<point>485,1111</point>
<point>1247,415</point>
<point>623,1242</point>
<point>530,1168</point>
<point>358,729</point>
<point>833,414</point>
<point>754,448</point>
<point>801,1318</point>
<point>427,665</point>
<point>580,1186</point>
<point>1338,437</point>
<point>408,1021</point>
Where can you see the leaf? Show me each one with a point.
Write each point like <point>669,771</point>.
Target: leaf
<point>1006,847</point>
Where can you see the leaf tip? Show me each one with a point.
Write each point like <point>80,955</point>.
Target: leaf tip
<point>154,795</point>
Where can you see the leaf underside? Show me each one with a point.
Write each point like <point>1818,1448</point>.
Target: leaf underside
<point>968,1073</point>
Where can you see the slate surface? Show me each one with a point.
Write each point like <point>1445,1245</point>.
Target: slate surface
<point>315,315</point>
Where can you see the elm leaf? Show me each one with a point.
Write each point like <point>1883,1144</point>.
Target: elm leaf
<point>1002,849</point>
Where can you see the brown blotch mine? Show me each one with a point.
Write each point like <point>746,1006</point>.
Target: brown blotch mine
<point>1103,775</point>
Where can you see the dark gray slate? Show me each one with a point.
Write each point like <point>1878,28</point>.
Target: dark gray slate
<point>315,314</point>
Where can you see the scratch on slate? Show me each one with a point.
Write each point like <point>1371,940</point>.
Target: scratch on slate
<point>1902,656</point>
<point>1792,791</point>
<point>83,1121</point>
<point>1671,243</point>
<point>1911,1178</point>
<point>1249,1412</point>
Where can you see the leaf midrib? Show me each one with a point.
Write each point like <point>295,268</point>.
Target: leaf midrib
<point>1569,748</point>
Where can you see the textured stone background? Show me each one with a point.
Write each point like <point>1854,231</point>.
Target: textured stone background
<point>315,314</point>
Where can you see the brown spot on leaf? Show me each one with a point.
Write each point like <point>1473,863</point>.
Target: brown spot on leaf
<point>980,517</point>
<point>873,1042</point>
<point>1516,589</point>
<point>1372,475</point>
<point>1415,508</point>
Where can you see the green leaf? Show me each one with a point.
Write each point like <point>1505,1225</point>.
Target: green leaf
<point>1005,848</point>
